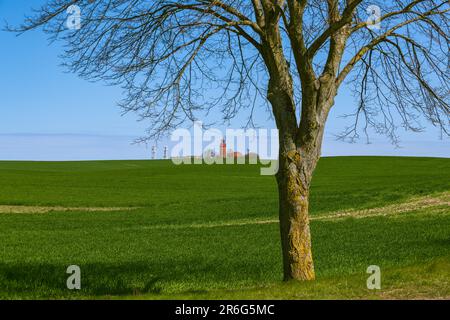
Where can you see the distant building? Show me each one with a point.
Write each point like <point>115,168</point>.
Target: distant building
<point>224,153</point>
<point>223,149</point>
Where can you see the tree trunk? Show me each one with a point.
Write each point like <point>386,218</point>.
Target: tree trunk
<point>300,146</point>
<point>293,187</point>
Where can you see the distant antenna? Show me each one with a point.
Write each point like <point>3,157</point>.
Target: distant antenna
<point>153,152</point>
<point>165,152</point>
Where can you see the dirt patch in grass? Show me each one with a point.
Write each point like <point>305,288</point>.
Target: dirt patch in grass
<point>46,209</point>
<point>414,204</point>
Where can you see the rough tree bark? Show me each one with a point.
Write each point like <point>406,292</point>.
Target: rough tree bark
<point>293,190</point>
<point>297,160</point>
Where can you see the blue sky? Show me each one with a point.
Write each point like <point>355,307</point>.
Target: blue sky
<point>48,114</point>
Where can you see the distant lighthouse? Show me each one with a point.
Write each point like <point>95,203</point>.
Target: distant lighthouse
<point>223,149</point>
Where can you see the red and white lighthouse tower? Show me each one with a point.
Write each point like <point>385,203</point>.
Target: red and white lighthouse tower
<point>223,149</point>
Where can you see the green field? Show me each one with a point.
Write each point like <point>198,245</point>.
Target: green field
<point>153,230</point>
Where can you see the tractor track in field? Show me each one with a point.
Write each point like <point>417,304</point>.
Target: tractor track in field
<point>418,203</point>
<point>439,201</point>
<point>48,209</point>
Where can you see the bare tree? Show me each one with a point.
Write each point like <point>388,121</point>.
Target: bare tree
<point>179,60</point>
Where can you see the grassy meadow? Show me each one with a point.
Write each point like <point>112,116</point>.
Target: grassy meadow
<point>153,230</point>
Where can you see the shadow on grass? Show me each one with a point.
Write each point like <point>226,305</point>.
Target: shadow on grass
<point>28,281</point>
<point>49,280</point>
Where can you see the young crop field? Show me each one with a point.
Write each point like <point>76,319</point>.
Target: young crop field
<point>153,230</point>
